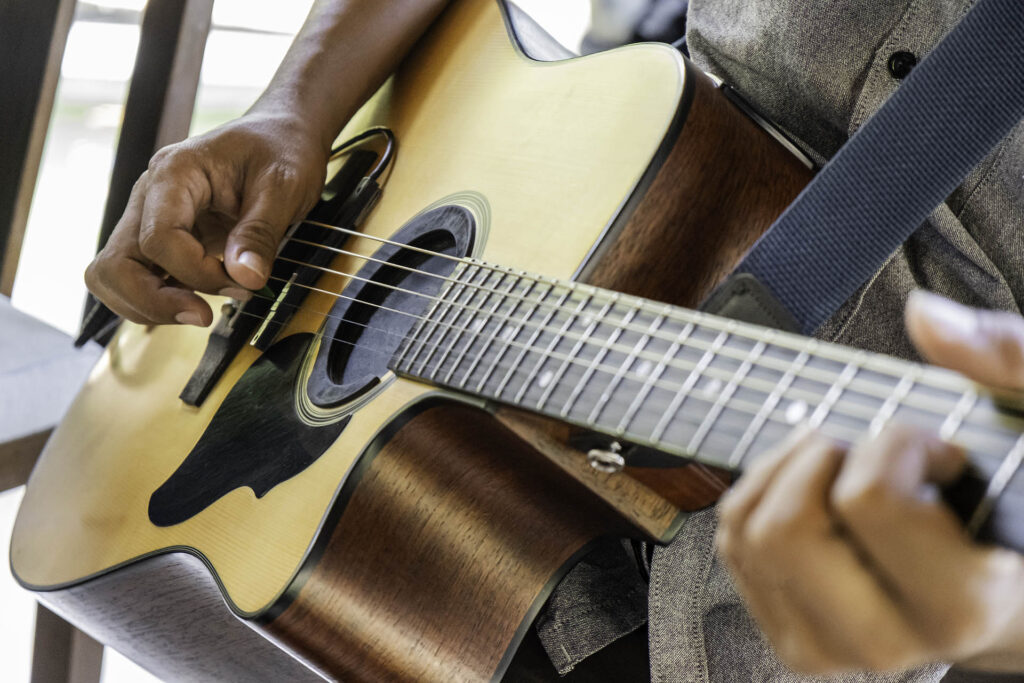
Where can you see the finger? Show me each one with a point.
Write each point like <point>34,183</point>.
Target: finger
<point>855,623</point>
<point>762,551</point>
<point>154,301</point>
<point>124,280</point>
<point>987,346</point>
<point>176,195</point>
<point>882,483</point>
<point>735,506</point>
<point>268,210</point>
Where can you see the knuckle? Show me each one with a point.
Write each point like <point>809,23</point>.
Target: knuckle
<point>171,159</point>
<point>860,500</point>
<point>91,275</point>
<point>160,158</point>
<point>140,183</point>
<point>152,243</point>
<point>767,540</point>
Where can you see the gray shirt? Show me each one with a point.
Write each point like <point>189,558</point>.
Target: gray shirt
<point>818,70</point>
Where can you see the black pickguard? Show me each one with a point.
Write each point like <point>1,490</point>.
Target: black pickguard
<point>255,440</point>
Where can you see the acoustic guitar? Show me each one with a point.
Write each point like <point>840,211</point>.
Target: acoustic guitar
<point>379,467</point>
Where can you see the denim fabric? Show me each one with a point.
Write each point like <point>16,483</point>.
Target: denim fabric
<point>819,70</point>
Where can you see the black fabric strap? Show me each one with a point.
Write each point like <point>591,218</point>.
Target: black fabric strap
<point>952,110</point>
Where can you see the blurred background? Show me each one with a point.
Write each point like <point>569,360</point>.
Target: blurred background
<point>247,40</point>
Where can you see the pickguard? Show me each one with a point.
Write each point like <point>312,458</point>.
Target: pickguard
<point>294,402</point>
<point>255,440</point>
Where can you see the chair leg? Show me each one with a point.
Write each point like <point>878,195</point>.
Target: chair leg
<point>18,457</point>
<point>62,653</point>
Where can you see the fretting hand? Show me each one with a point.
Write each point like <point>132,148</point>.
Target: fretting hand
<point>849,561</point>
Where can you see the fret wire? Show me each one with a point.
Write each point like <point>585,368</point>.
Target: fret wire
<point>556,338</point>
<point>442,306</point>
<point>494,334</point>
<point>839,432</point>
<point>651,379</point>
<point>570,358</point>
<point>688,384</point>
<point>877,364</point>
<point>616,379</point>
<point>460,328</point>
<point>588,372</point>
<point>510,338</point>
<point>533,337</point>
<point>422,323</point>
<point>452,305</point>
<point>833,394</point>
<point>723,398</point>
<point>499,298</point>
<point>709,372</point>
<point>996,486</point>
<point>890,405</point>
<point>963,407</point>
<point>739,453</point>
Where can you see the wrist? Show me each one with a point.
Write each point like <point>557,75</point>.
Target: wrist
<point>292,118</point>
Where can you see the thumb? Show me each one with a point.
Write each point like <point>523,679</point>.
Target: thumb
<point>252,244</point>
<point>987,346</point>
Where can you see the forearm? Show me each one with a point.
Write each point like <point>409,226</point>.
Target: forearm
<point>344,52</point>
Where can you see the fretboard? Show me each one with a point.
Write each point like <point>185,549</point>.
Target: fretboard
<point>682,382</point>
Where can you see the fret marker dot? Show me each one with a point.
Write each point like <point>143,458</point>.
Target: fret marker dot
<point>545,379</point>
<point>713,387</point>
<point>644,368</point>
<point>478,325</point>
<point>507,333</point>
<point>586,321</point>
<point>796,412</point>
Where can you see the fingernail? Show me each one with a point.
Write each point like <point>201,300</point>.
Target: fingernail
<point>236,293</point>
<point>252,261</point>
<point>190,318</point>
<point>951,320</point>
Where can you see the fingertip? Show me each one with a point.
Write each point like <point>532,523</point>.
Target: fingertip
<point>191,317</point>
<point>935,323</point>
<point>248,269</point>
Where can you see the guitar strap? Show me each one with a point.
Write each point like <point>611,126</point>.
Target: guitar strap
<point>951,111</point>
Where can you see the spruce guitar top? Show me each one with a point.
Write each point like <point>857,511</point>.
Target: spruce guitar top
<point>379,467</point>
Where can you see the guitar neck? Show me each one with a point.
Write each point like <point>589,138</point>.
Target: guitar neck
<point>684,383</point>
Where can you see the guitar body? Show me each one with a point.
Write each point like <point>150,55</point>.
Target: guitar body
<point>408,533</point>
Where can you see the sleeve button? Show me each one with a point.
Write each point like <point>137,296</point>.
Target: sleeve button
<point>901,64</point>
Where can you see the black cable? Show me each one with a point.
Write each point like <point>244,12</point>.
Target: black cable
<point>385,158</point>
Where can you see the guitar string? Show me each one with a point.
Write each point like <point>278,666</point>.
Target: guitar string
<point>744,408</point>
<point>877,390</point>
<point>858,385</point>
<point>679,314</point>
<point>671,387</point>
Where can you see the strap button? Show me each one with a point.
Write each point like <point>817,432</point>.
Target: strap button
<point>607,461</point>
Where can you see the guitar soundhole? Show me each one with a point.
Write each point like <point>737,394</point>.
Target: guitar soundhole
<point>368,322</point>
<point>261,435</point>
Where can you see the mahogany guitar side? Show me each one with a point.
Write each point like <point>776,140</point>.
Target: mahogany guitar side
<point>453,523</point>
